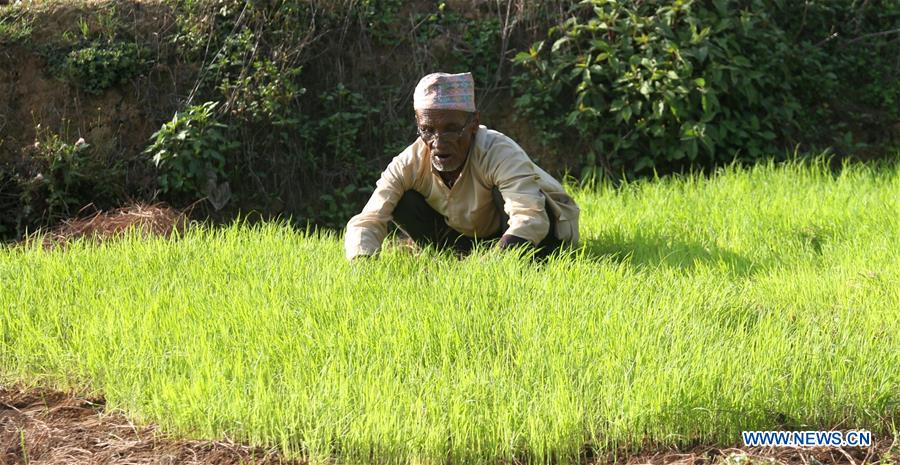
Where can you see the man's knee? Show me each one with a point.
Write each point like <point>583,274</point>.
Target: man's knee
<point>413,209</point>
<point>417,219</point>
<point>411,199</point>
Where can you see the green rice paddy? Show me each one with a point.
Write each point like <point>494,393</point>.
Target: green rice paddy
<point>762,298</point>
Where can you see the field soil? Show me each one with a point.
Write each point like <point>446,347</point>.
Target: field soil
<point>51,427</point>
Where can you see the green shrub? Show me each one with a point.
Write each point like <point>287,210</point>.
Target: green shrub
<point>101,65</point>
<point>64,165</point>
<point>191,150</point>
<point>469,45</point>
<point>59,178</point>
<point>333,149</point>
<point>847,78</point>
<point>646,86</point>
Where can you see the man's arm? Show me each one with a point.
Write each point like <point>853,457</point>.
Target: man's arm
<point>514,174</point>
<point>367,230</point>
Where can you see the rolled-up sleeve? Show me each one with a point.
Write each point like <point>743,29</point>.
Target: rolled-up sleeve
<point>367,230</point>
<point>514,174</point>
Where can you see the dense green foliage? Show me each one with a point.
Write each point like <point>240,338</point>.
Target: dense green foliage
<point>58,179</point>
<point>289,146</point>
<point>190,151</point>
<point>695,310</point>
<point>671,85</point>
<point>98,66</point>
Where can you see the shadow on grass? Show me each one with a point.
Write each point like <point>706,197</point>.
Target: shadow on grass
<point>651,251</point>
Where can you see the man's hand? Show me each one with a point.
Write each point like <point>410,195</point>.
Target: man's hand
<point>509,240</point>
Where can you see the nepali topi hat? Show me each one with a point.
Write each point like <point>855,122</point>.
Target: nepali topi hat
<point>442,91</point>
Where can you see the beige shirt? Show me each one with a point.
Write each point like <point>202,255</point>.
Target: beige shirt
<point>494,160</point>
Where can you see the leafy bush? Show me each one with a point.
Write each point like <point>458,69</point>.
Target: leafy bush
<point>191,150</point>
<point>664,86</point>
<point>101,65</point>
<point>302,153</point>
<point>647,85</point>
<point>60,178</point>
<point>340,129</point>
<point>334,151</point>
<point>465,45</point>
<point>848,79</point>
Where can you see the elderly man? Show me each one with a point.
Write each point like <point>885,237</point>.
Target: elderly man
<point>460,181</point>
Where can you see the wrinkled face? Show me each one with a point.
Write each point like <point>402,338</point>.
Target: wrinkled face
<point>453,132</point>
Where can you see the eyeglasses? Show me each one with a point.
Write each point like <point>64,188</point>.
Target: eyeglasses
<point>451,136</point>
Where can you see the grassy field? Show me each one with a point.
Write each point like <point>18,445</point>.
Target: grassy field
<point>766,298</point>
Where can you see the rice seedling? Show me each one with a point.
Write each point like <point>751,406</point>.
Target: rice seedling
<point>760,298</point>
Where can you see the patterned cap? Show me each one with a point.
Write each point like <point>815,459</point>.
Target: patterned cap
<point>442,91</point>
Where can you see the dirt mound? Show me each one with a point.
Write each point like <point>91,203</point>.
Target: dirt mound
<point>47,427</point>
<point>149,219</point>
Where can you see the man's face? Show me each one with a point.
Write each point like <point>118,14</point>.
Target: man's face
<point>449,149</point>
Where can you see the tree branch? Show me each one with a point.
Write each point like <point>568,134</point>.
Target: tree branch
<point>874,34</point>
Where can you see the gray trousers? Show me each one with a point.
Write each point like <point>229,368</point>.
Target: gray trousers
<point>426,226</point>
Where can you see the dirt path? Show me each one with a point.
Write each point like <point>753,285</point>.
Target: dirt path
<point>46,427</point>
<point>59,429</point>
